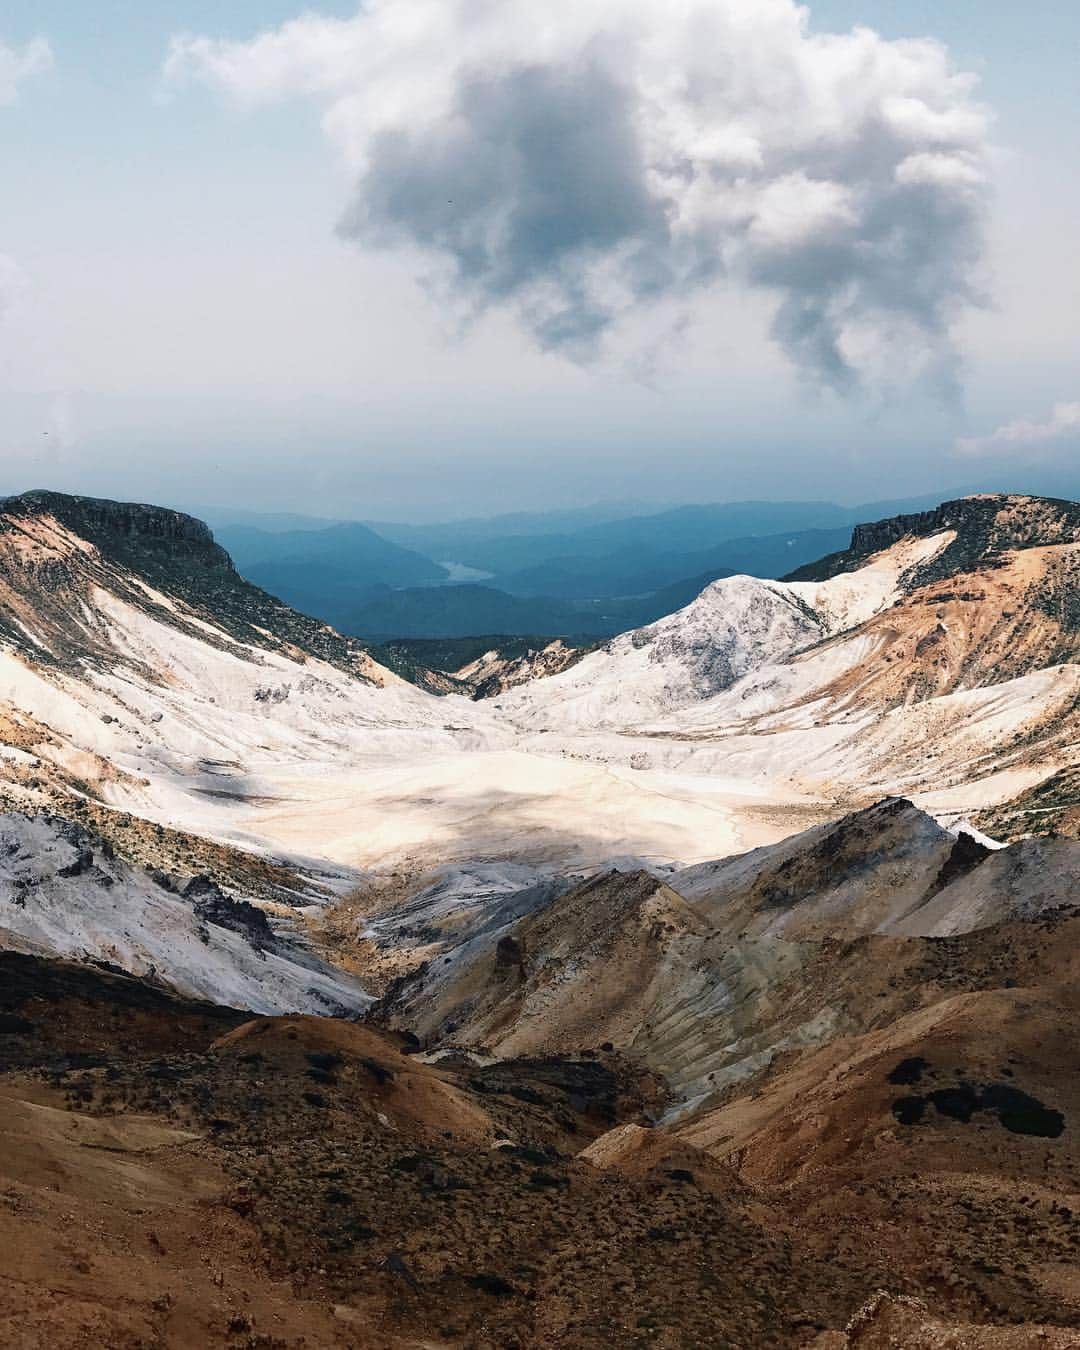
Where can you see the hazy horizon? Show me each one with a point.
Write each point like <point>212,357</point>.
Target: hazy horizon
<point>1062,484</point>
<point>407,509</point>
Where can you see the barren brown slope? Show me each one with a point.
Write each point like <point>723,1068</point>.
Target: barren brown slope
<point>1011,614</point>
<point>855,875</point>
<point>301,1184</point>
<point>1001,602</point>
<point>782,949</point>
<point>587,968</point>
<point>178,1177</point>
<point>947,1138</point>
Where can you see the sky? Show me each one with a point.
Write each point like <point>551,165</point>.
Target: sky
<point>437,258</point>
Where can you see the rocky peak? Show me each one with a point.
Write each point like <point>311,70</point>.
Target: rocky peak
<point>50,586</point>
<point>986,525</point>
<point>997,521</point>
<point>124,531</point>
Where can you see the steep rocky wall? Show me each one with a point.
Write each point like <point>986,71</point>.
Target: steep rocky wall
<point>985,526</point>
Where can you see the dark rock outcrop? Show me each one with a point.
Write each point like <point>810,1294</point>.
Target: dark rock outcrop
<point>240,916</point>
<point>967,853</point>
<point>985,525</point>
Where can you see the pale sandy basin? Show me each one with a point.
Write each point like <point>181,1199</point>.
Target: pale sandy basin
<point>513,804</point>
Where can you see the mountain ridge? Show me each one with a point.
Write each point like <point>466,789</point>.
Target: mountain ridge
<point>977,522</point>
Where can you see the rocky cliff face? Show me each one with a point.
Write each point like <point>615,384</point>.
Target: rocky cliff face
<point>986,526</point>
<point>179,556</point>
<point>493,674</point>
<point>57,552</point>
<point>123,530</point>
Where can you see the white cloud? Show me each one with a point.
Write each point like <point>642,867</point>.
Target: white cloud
<point>16,66</point>
<point>1062,428</point>
<point>577,163</point>
<point>13,282</point>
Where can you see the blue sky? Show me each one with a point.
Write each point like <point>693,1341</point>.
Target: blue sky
<point>190,325</point>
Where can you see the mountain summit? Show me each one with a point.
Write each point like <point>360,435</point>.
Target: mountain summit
<point>61,555</point>
<point>986,526</point>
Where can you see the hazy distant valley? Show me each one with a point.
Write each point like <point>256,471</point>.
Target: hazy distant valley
<point>575,575</point>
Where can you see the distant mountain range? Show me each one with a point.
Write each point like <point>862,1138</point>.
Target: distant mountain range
<point>580,575</point>
<point>465,611</point>
<point>508,543</point>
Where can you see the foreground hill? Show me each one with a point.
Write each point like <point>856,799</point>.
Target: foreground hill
<point>874,1023</point>
<point>880,1147</point>
<point>711,973</point>
<point>176,1175</point>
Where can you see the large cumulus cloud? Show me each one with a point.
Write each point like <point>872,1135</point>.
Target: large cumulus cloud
<point>578,161</point>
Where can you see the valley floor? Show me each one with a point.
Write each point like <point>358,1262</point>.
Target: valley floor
<point>520,805</point>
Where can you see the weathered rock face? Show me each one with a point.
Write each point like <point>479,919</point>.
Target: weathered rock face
<point>985,526</point>
<point>212,905</point>
<point>880,534</point>
<point>64,890</point>
<point>710,976</point>
<point>57,552</point>
<point>124,530</point>
<point>493,674</point>
<point>510,956</point>
<point>54,544</point>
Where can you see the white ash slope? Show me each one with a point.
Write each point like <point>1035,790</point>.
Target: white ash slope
<point>945,666</point>
<point>63,892</point>
<point>737,625</point>
<point>138,668</point>
<point>760,706</point>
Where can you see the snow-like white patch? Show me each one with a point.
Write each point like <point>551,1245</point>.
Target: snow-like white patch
<point>152,593</point>
<point>64,898</point>
<point>738,627</point>
<point>734,626</point>
<point>959,827</point>
<point>28,632</point>
<point>847,600</point>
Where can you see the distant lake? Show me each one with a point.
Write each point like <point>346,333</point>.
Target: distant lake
<point>459,573</point>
